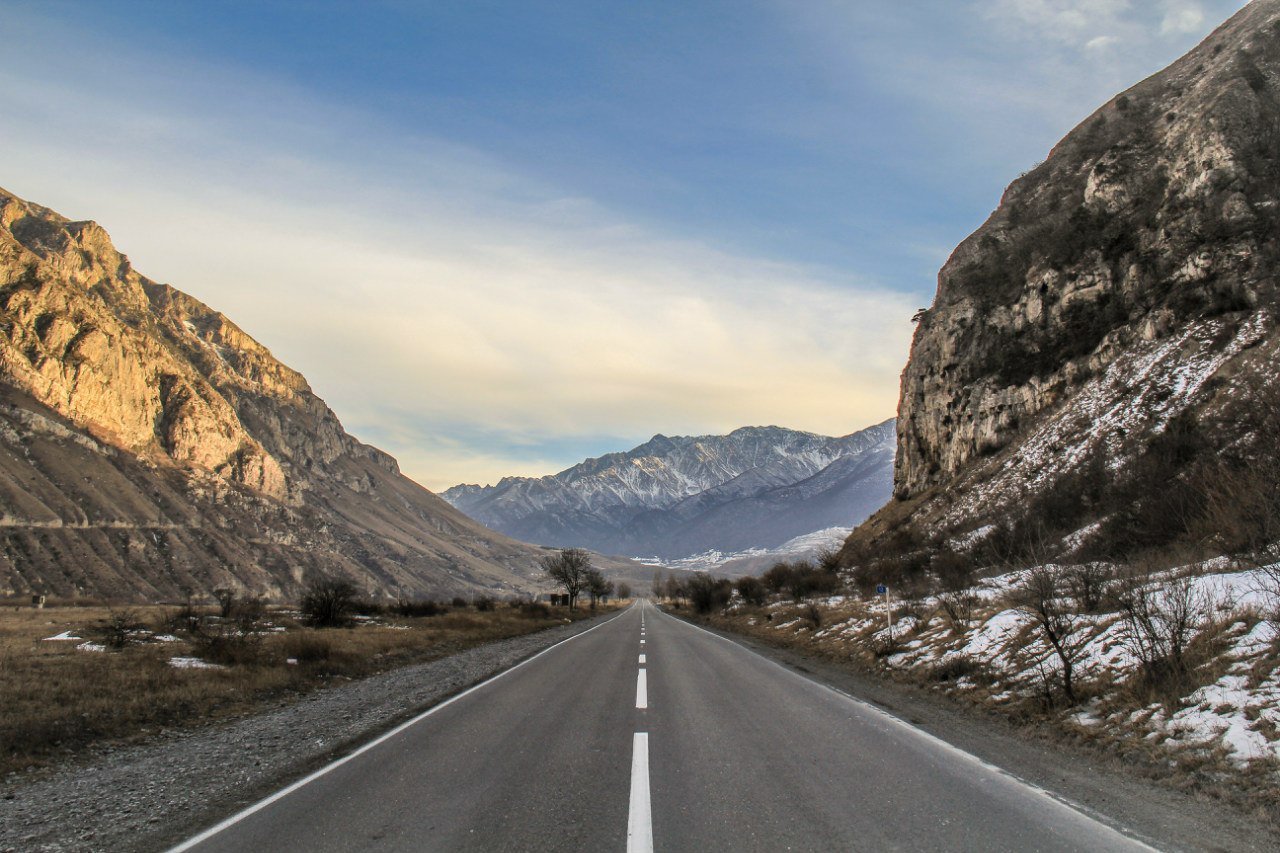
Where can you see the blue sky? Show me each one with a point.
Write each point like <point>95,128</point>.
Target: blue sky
<point>501,237</point>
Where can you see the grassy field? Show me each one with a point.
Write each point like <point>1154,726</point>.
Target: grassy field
<point>129,673</point>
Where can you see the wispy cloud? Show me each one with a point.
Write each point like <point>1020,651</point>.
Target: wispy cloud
<point>466,316</point>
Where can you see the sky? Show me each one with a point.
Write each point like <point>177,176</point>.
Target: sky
<point>501,237</point>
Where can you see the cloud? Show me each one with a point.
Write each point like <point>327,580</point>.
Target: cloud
<point>1182,19</point>
<point>466,317</point>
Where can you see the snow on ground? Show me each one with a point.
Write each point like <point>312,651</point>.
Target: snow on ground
<point>192,663</point>
<point>1167,376</point>
<point>1238,711</point>
<point>65,635</point>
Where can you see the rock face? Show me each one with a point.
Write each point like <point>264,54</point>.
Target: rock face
<point>1116,286</point>
<point>674,497</point>
<point>149,447</point>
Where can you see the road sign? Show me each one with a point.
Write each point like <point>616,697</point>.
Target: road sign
<point>881,589</point>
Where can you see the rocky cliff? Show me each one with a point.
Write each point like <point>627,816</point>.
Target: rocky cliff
<point>673,497</point>
<point>149,447</point>
<point>1118,286</point>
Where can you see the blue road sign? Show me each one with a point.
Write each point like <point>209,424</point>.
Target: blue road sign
<point>881,589</point>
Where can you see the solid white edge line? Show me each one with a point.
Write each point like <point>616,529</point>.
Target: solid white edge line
<point>1083,811</point>
<point>642,689</point>
<point>640,815</point>
<point>386,736</point>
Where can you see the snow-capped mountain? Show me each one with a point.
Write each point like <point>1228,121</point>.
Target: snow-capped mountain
<point>672,497</point>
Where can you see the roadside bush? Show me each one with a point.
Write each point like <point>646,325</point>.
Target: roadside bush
<point>751,589</point>
<point>535,610</point>
<point>328,602</point>
<point>227,642</point>
<point>800,579</point>
<point>1088,585</point>
<point>958,606</point>
<point>813,614</point>
<point>459,602</point>
<point>120,625</point>
<point>707,593</point>
<point>1040,594</point>
<point>956,668</point>
<point>226,598</point>
<point>417,608</point>
<point>1160,621</point>
<point>483,603</point>
<point>305,647</point>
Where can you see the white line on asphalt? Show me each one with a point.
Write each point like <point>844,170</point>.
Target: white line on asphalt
<point>642,690</point>
<point>284,792</point>
<point>642,641</point>
<point>640,818</point>
<point>641,658</point>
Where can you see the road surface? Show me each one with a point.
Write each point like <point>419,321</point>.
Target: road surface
<point>648,733</point>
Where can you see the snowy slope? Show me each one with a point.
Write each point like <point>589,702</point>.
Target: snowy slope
<point>674,497</point>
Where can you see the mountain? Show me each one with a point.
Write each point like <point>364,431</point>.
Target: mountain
<point>757,487</point>
<point>1107,337</point>
<point>149,448</point>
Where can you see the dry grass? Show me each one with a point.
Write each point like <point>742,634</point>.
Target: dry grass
<point>59,699</point>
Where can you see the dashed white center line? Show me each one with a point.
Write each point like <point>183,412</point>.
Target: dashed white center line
<point>642,690</point>
<point>642,659</point>
<point>640,818</point>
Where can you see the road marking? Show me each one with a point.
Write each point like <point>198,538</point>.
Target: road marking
<point>642,689</point>
<point>642,641</point>
<point>947,747</point>
<point>640,818</point>
<point>286,791</point>
<point>642,658</point>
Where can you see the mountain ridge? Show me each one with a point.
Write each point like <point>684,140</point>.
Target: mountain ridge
<point>1121,297</point>
<point>224,468</point>
<point>661,497</point>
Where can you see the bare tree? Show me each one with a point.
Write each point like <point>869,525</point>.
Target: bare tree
<point>659,583</point>
<point>328,602</point>
<point>571,569</point>
<point>1088,585</point>
<point>226,598</point>
<point>598,587</point>
<point>624,589</point>
<point>1160,622</point>
<point>1041,595</point>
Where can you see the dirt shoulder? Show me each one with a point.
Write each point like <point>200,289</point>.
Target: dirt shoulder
<point>1115,791</point>
<point>152,795</point>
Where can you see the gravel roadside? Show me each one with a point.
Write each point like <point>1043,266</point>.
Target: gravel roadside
<point>1087,778</point>
<point>149,796</point>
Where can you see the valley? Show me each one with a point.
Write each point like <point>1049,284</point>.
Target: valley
<point>1036,606</point>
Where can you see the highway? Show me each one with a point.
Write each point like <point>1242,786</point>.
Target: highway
<point>648,733</point>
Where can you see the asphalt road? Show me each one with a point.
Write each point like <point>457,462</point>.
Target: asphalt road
<point>647,733</point>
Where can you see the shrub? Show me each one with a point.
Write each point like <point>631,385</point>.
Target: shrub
<point>1160,621</point>
<point>423,607</point>
<point>959,606</point>
<point>227,642</point>
<point>1088,585</point>
<point>458,602</point>
<point>955,668</point>
<point>307,648</point>
<point>535,610</point>
<point>120,625</point>
<point>328,602</point>
<point>707,593</point>
<point>751,589</point>
<point>483,603</point>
